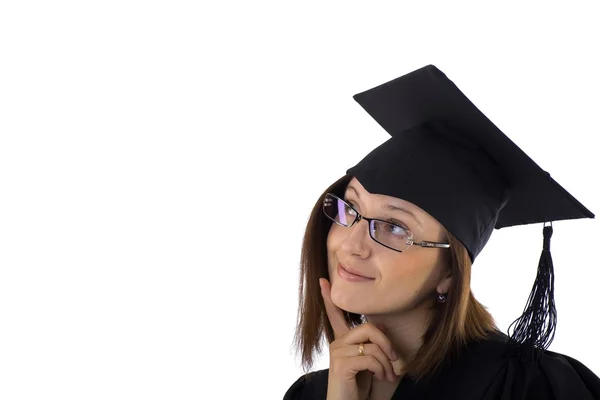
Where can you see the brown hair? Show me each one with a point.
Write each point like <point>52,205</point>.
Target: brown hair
<point>454,323</point>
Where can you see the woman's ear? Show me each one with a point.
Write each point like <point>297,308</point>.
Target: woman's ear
<point>444,285</point>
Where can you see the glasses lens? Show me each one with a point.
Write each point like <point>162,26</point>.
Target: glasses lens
<point>390,235</point>
<point>338,210</point>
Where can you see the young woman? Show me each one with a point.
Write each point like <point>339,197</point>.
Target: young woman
<point>387,256</point>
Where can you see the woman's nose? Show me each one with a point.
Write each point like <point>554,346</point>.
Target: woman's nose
<point>357,239</point>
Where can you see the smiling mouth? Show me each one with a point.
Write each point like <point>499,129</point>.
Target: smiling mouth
<point>349,276</point>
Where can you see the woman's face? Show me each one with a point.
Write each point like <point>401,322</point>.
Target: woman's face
<point>400,281</point>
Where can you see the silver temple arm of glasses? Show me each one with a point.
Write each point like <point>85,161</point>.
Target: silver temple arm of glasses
<point>424,243</point>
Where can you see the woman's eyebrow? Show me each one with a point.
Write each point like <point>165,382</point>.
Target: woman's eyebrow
<point>389,206</point>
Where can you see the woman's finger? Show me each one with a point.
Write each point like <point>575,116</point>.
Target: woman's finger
<point>368,332</point>
<point>334,313</point>
<point>347,368</point>
<point>370,349</point>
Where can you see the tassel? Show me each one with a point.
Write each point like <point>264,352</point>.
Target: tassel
<point>535,327</point>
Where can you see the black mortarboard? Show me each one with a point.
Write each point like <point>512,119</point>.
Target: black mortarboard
<point>448,158</point>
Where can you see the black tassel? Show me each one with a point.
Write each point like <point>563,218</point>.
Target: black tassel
<point>535,328</point>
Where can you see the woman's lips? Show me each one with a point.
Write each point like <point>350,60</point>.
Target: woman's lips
<point>348,276</point>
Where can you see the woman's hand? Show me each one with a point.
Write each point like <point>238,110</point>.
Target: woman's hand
<point>350,374</point>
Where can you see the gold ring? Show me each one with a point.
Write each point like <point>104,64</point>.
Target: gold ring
<point>361,349</point>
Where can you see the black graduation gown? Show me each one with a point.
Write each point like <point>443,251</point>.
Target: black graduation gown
<point>488,369</point>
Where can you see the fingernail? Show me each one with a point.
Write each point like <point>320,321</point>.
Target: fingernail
<point>394,355</point>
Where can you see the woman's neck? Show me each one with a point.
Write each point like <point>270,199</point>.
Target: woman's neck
<point>405,331</point>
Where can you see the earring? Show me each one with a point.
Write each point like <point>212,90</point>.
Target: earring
<point>441,298</point>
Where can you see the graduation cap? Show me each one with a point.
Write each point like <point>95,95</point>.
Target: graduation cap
<point>447,157</point>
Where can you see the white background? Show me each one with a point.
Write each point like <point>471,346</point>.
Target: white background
<point>149,152</point>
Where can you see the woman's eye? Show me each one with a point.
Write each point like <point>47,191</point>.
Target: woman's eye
<point>351,203</point>
<point>397,230</point>
<point>392,221</point>
<point>400,224</point>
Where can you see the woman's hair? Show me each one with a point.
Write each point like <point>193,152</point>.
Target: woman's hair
<point>457,321</point>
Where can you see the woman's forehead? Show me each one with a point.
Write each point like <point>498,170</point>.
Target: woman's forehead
<point>356,185</point>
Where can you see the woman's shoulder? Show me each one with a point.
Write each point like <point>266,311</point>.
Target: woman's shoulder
<point>312,385</point>
<point>551,375</point>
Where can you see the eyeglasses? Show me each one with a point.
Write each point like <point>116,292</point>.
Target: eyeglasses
<point>387,234</point>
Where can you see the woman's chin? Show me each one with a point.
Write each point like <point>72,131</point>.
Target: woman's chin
<point>350,306</point>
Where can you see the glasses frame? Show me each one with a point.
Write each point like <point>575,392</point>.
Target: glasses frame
<point>359,216</point>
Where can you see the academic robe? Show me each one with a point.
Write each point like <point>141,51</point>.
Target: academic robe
<point>489,369</point>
